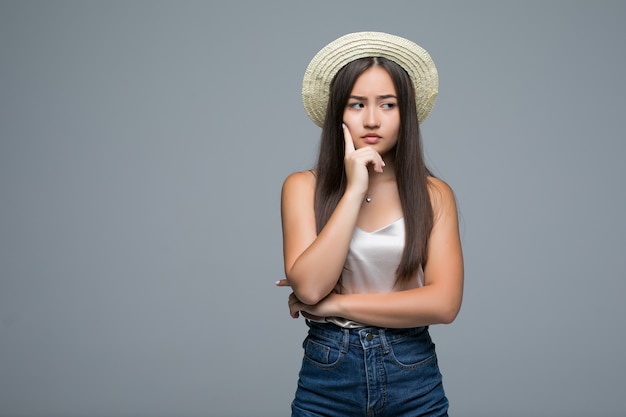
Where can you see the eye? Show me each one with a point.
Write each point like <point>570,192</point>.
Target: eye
<point>356,105</point>
<point>389,105</point>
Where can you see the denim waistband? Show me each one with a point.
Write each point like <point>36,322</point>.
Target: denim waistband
<point>362,336</point>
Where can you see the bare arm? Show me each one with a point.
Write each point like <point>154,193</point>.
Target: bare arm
<point>438,301</point>
<point>313,263</point>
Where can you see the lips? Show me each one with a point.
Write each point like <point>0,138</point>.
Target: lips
<point>371,139</point>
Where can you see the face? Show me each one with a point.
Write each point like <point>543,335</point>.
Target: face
<point>372,114</point>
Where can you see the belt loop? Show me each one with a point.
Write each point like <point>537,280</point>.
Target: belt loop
<point>346,340</point>
<point>383,341</point>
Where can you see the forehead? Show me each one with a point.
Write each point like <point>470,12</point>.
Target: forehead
<point>374,80</point>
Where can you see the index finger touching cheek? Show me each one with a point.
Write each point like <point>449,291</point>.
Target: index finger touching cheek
<point>348,139</point>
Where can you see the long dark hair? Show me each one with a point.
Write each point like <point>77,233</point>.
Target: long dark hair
<point>410,170</point>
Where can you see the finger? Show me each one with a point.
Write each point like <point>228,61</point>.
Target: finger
<point>294,308</point>
<point>377,162</point>
<point>347,137</point>
<point>311,316</point>
<point>374,159</point>
<point>371,157</point>
<point>378,167</point>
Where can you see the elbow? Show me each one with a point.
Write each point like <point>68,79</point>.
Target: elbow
<point>307,294</point>
<point>448,317</point>
<point>309,299</point>
<point>447,305</point>
<point>449,314</point>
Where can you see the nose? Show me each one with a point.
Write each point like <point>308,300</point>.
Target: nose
<point>371,119</point>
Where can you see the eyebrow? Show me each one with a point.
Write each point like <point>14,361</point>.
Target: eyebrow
<point>382,97</point>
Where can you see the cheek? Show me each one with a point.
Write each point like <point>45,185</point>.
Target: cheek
<point>394,134</point>
<point>348,118</point>
<point>395,123</point>
<point>351,124</point>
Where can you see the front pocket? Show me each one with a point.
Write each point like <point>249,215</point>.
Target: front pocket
<point>413,352</point>
<point>323,353</point>
<point>405,362</point>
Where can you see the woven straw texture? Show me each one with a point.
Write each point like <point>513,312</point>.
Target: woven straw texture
<point>334,56</point>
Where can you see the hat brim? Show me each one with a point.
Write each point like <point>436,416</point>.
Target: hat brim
<point>337,54</point>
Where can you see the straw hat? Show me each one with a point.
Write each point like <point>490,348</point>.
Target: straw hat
<point>340,52</point>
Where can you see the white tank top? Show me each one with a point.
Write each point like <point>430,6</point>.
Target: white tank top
<point>371,265</point>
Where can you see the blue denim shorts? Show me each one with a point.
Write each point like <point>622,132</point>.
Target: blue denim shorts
<point>371,372</point>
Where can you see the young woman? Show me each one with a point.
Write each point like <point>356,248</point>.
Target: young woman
<point>371,244</point>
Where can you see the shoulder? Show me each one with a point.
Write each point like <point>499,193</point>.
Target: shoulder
<point>441,196</point>
<point>301,180</point>
<point>298,198</point>
<point>299,186</point>
<point>436,185</point>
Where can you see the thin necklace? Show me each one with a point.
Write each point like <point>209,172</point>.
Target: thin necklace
<point>368,197</point>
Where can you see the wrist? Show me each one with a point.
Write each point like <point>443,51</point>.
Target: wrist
<point>355,194</point>
<point>336,305</point>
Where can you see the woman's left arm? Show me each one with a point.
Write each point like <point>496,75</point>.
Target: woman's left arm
<point>438,301</point>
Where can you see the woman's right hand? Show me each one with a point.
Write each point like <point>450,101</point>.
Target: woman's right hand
<point>357,161</point>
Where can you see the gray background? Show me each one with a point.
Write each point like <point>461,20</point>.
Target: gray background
<point>142,150</point>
